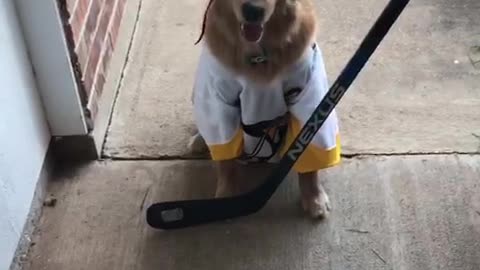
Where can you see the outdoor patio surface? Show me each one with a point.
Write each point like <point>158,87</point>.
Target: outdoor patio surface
<point>406,197</point>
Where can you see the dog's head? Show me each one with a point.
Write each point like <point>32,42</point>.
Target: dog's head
<point>252,15</point>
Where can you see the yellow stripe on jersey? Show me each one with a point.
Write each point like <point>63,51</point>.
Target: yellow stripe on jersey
<point>314,158</point>
<point>230,150</point>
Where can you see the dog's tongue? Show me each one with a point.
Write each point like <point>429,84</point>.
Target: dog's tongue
<point>252,32</point>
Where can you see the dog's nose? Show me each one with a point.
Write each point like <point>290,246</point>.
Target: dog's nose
<point>252,13</point>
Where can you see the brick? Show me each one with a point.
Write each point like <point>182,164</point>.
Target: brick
<point>99,41</point>
<point>107,55</point>
<point>117,21</point>
<point>113,35</point>
<point>71,5</point>
<point>77,21</point>
<point>92,105</point>
<point>93,17</point>
<point>89,71</point>
<point>76,30</point>
<point>99,83</point>
<point>87,79</point>
<point>105,19</point>
<point>82,54</point>
<point>110,42</point>
<point>120,10</point>
<point>83,8</point>
<point>95,25</point>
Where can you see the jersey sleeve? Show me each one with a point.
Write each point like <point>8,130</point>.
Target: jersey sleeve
<point>311,84</point>
<point>216,113</point>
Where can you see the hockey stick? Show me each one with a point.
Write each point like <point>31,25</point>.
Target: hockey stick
<point>181,214</point>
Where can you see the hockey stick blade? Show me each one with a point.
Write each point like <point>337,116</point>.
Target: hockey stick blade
<point>182,214</point>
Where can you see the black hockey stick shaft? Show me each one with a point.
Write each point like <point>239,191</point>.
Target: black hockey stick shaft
<point>181,214</point>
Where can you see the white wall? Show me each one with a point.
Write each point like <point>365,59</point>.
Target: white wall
<point>24,135</point>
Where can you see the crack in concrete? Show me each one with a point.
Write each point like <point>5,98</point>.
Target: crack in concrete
<point>475,56</point>
<point>379,256</point>
<point>150,158</point>
<point>440,153</point>
<point>144,200</point>
<point>477,137</point>
<point>345,156</point>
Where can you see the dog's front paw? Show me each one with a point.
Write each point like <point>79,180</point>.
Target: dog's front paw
<point>314,199</point>
<point>317,206</point>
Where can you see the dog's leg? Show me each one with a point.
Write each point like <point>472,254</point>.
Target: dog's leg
<point>227,184</point>
<point>315,200</point>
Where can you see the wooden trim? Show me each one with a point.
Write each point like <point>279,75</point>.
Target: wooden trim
<point>52,65</point>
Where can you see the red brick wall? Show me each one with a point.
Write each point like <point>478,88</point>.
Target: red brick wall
<point>93,29</point>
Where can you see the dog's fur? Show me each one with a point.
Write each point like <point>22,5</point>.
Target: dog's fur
<point>289,30</point>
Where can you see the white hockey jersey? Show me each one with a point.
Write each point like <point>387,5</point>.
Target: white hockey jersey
<point>242,120</point>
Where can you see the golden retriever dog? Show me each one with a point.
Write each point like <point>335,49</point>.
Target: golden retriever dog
<point>260,77</point>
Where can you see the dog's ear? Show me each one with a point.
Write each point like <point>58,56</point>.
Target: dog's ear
<point>204,23</point>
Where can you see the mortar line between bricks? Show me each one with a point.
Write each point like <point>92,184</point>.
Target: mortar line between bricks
<point>345,156</point>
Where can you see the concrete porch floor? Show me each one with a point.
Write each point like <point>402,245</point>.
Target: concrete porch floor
<point>389,213</point>
<point>406,200</point>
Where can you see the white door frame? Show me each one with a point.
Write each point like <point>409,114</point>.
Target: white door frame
<point>49,53</point>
